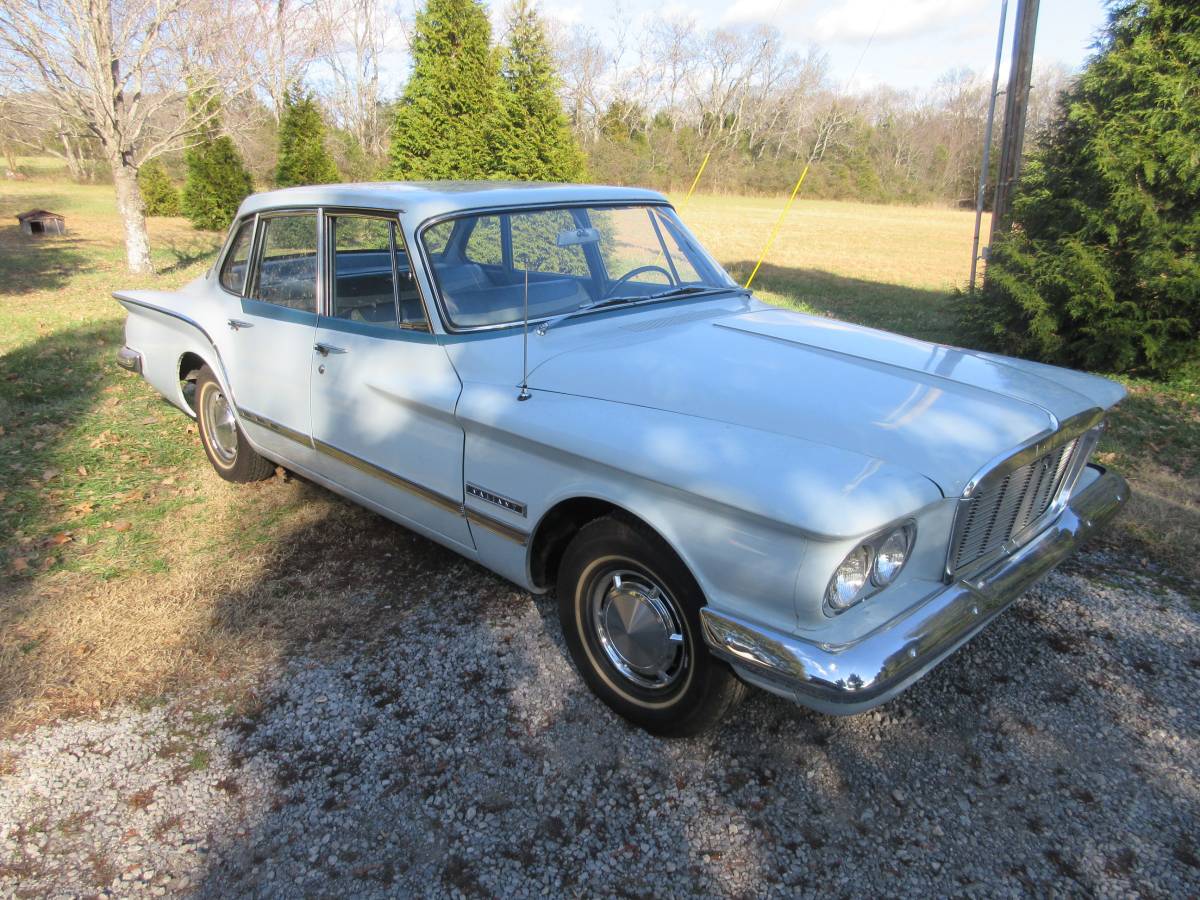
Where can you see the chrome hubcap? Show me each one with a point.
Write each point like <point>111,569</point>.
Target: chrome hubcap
<point>220,425</point>
<point>639,629</point>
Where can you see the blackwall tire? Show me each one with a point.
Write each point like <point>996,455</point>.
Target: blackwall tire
<point>224,443</point>
<point>630,613</point>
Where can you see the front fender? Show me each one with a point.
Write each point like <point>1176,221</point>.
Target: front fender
<point>742,508</point>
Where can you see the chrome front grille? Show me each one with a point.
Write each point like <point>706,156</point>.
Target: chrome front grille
<point>1004,510</point>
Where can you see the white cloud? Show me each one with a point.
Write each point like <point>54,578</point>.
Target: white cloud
<point>567,14</point>
<point>853,20</point>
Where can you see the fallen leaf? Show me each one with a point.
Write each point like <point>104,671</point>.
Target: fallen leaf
<point>49,474</point>
<point>48,562</point>
<point>82,470</point>
<point>170,479</point>
<point>19,564</point>
<point>63,537</point>
<point>123,525</point>
<point>150,420</point>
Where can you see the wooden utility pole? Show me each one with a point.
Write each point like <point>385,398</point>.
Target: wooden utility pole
<point>1016,105</point>
<point>987,144</point>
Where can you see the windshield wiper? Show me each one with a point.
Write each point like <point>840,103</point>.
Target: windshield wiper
<point>680,291</point>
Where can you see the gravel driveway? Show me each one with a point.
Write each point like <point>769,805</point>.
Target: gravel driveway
<point>447,747</point>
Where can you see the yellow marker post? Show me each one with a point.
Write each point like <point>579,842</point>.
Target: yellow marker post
<point>695,181</point>
<point>778,225</point>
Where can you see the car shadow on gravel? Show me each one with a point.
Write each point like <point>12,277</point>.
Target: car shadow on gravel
<point>431,737</point>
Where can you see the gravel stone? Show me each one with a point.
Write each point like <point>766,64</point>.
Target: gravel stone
<point>458,754</point>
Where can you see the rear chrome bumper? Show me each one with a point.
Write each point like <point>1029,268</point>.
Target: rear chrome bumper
<point>850,678</point>
<point>129,359</point>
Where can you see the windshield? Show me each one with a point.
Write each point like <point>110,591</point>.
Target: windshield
<point>571,257</point>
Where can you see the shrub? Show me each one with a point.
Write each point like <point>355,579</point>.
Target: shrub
<point>160,196</point>
<point>1099,268</point>
<point>303,158</point>
<point>446,120</point>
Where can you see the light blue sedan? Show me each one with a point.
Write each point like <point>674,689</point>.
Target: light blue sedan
<point>559,382</point>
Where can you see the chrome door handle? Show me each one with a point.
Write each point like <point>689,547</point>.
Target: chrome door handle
<point>236,324</point>
<point>326,349</point>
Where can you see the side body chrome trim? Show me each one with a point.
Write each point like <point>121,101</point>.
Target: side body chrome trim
<point>277,427</point>
<point>496,526</point>
<point>437,499</point>
<point>450,504</point>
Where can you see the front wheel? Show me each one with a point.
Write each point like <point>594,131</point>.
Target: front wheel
<point>224,442</point>
<point>630,613</point>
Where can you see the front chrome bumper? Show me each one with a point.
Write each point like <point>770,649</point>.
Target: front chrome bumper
<point>850,678</point>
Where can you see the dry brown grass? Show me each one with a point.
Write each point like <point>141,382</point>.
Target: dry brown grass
<point>919,247</point>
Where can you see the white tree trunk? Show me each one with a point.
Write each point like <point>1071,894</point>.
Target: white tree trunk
<point>133,216</point>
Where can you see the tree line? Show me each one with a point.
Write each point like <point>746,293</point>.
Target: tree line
<point>144,86</point>
<point>220,86</point>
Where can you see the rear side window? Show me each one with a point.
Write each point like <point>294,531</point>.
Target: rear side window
<point>287,266</point>
<point>233,270</point>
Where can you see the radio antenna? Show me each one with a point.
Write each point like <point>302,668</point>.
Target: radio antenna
<point>525,395</point>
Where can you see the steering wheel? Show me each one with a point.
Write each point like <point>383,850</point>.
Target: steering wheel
<point>633,272</point>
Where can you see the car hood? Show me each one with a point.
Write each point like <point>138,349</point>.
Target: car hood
<point>936,410</point>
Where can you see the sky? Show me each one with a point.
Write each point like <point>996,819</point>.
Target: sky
<point>905,44</point>
<point>902,43</point>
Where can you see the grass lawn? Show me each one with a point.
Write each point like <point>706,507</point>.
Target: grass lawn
<point>131,569</point>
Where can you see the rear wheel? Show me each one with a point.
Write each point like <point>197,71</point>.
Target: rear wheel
<point>224,442</point>
<point>630,613</point>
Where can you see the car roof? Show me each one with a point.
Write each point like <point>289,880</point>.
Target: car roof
<point>421,200</point>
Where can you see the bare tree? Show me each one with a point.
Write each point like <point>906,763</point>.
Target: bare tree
<point>357,34</point>
<point>286,36</point>
<point>582,64</point>
<point>671,51</point>
<point>28,122</point>
<point>122,68</point>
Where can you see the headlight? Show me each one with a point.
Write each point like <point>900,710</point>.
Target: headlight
<point>891,556</point>
<point>870,567</point>
<point>850,578</point>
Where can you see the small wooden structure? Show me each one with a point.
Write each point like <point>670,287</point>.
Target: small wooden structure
<point>42,221</point>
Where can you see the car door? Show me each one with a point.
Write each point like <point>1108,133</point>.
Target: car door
<point>383,390</point>
<point>272,325</point>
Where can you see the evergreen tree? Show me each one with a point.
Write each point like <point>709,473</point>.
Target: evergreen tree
<point>445,122</point>
<point>160,196</point>
<point>217,181</point>
<point>1100,268</point>
<point>534,141</point>
<point>303,158</point>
